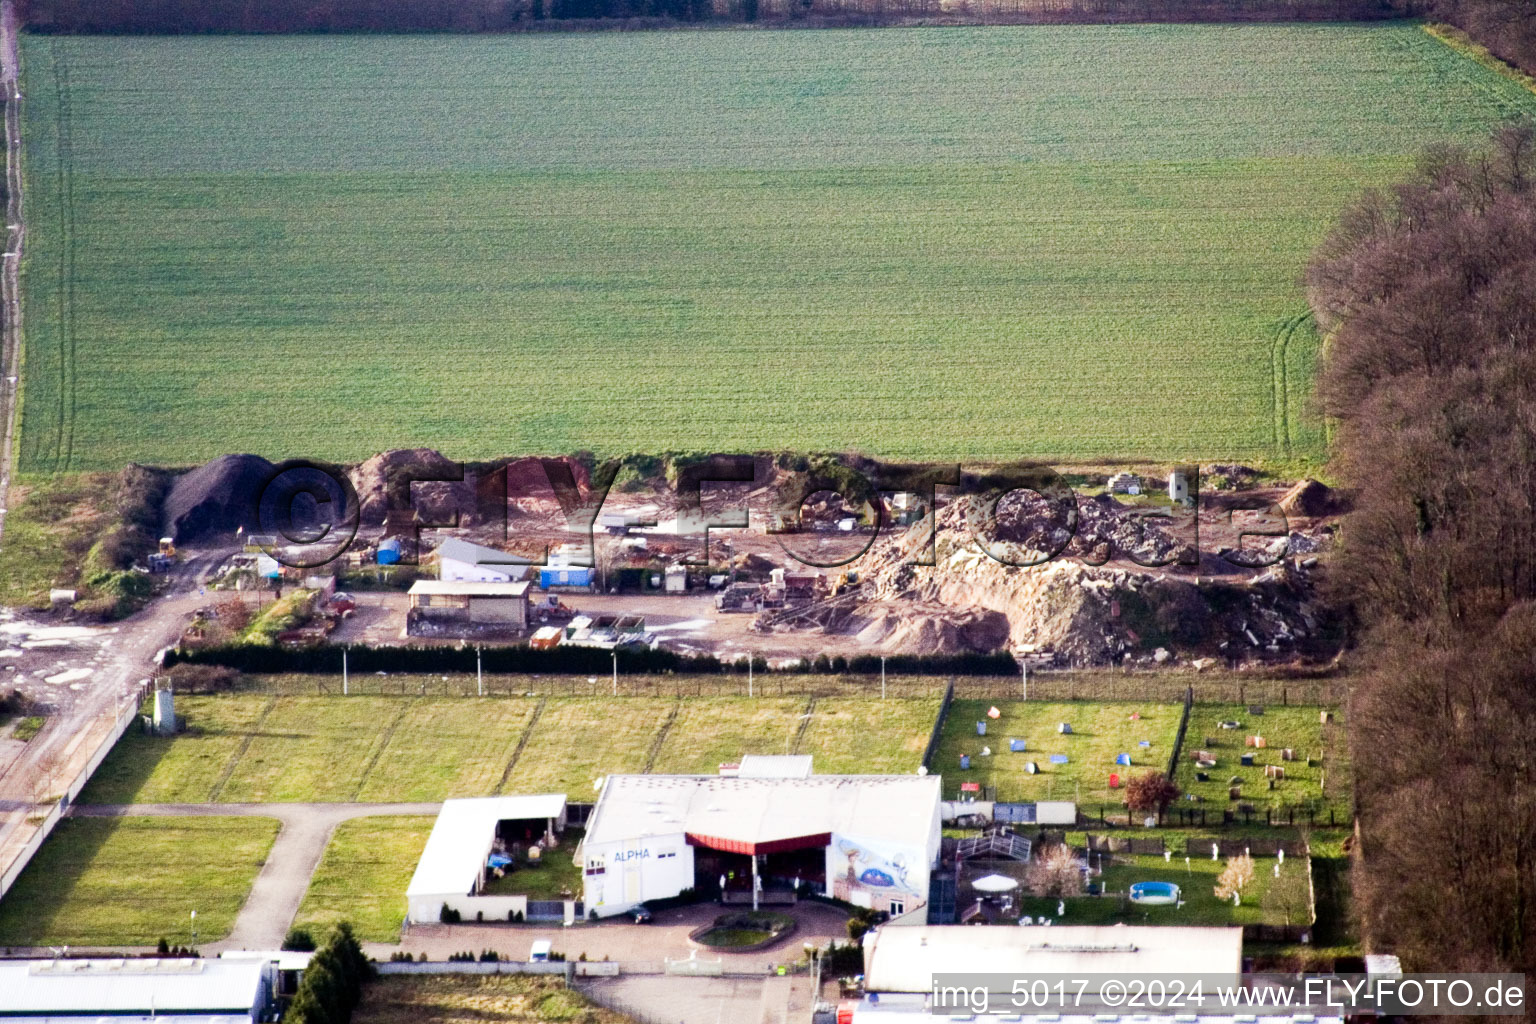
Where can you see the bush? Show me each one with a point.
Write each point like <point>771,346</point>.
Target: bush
<point>449,916</point>
<point>299,940</point>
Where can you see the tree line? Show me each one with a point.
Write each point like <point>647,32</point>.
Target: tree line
<point>325,16</point>
<point>1427,293</point>
<point>1506,27</point>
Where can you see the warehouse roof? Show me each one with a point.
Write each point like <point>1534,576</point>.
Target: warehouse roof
<point>763,811</point>
<point>905,959</point>
<point>469,588</point>
<point>461,837</point>
<point>479,554</point>
<point>123,986</point>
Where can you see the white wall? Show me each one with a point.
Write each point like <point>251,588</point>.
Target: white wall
<point>911,876</point>
<point>428,909</point>
<point>1055,812</point>
<point>635,871</point>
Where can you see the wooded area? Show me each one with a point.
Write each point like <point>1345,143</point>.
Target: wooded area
<point>1429,293</point>
<point>320,16</point>
<point>1506,27</point>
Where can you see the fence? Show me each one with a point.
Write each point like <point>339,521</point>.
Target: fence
<point>1286,817</point>
<point>1044,686</point>
<point>1178,740</point>
<point>125,718</point>
<point>938,726</point>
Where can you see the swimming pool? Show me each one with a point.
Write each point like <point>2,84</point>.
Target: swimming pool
<point>1154,893</point>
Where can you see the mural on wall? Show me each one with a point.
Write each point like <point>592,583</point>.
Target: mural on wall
<point>864,868</point>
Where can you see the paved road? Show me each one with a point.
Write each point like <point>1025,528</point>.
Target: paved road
<point>279,888</point>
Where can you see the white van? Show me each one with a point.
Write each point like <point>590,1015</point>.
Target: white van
<point>539,954</point>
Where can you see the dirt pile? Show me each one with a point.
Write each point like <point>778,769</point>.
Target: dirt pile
<point>926,627</point>
<point>1084,614</point>
<point>218,497</point>
<point>1308,498</point>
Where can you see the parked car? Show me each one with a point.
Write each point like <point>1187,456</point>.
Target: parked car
<point>539,954</point>
<point>640,914</point>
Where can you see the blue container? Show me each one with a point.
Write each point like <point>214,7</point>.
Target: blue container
<point>389,551</point>
<point>965,762</point>
<point>1247,760</point>
<point>981,728</point>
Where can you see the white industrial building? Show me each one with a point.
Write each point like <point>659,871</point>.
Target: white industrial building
<point>763,831</point>
<point>460,560</point>
<point>454,864</point>
<point>173,991</point>
<point>470,602</point>
<point>906,959</point>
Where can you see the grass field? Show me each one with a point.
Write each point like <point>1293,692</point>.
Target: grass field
<point>445,999</point>
<point>134,881</point>
<point>363,876</point>
<point>1072,242</point>
<point>1323,784</point>
<point>1100,731</point>
<point>242,748</point>
<point>1196,882</point>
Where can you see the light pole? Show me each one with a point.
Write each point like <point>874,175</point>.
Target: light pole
<point>194,929</point>
<point>882,677</point>
<point>1024,677</point>
<point>751,657</point>
<point>480,676</point>
<point>615,673</point>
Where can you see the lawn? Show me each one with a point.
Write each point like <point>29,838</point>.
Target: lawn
<point>253,748</point>
<point>711,731</point>
<point>1100,732</point>
<point>134,881</point>
<point>1196,882</point>
<point>1318,780</point>
<point>447,747</point>
<point>447,999</point>
<point>578,740</point>
<point>363,876</point>
<point>1069,242</point>
<point>555,875</point>
<point>869,736</point>
<point>189,768</point>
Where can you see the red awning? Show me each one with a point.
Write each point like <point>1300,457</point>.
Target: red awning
<point>771,846</point>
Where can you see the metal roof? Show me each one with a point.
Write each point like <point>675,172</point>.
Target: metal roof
<point>117,986</point>
<point>905,959</point>
<point>461,837</point>
<point>470,588</point>
<point>775,766</point>
<point>895,808</point>
<point>479,554</point>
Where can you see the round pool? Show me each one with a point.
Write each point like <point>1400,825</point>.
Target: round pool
<point>1154,893</point>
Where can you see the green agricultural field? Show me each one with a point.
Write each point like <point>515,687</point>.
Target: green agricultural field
<point>1071,242</point>
<point>1100,731</point>
<point>244,748</point>
<point>134,881</point>
<point>1319,780</point>
<point>363,876</point>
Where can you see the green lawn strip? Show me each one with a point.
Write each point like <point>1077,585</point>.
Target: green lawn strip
<point>28,727</point>
<point>182,769</point>
<point>363,876</point>
<point>310,749</point>
<point>448,747</point>
<point>133,881</point>
<point>1196,882</point>
<point>1100,731</point>
<point>50,524</point>
<point>450,999</point>
<point>868,736</point>
<point>552,877</point>
<point>578,740</point>
<point>1297,728</point>
<point>712,731</point>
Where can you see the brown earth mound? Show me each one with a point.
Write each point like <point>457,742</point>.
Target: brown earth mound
<point>1308,498</point>
<point>218,497</point>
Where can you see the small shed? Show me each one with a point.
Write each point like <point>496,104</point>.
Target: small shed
<point>676,579</point>
<point>553,576</point>
<point>471,601</point>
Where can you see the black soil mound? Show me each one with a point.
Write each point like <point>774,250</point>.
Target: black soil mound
<point>216,498</point>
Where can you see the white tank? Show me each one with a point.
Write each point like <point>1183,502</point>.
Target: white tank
<point>165,713</point>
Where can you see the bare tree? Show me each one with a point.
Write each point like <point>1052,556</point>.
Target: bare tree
<point>1235,877</point>
<point>1054,871</point>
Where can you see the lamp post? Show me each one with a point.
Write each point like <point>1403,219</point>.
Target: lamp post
<point>615,673</point>
<point>194,929</point>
